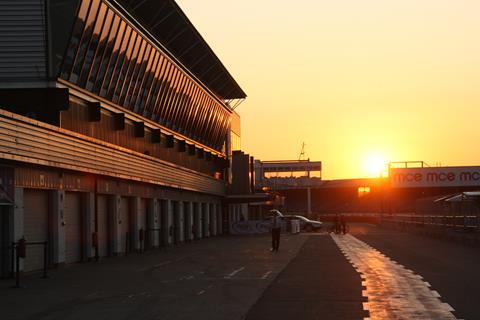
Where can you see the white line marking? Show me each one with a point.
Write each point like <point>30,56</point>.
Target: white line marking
<point>393,291</point>
<point>265,276</point>
<point>155,266</point>
<point>234,273</point>
<point>162,264</point>
<point>201,292</point>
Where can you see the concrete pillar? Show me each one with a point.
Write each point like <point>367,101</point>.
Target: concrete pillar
<point>153,221</point>
<point>18,220</point>
<point>188,211</point>
<point>213,219</point>
<point>115,224</point>
<point>181,222</point>
<point>197,207</point>
<point>206,222</point>
<point>89,223</point>
<point>219,219</point>
<point>58,226</point>
<point>135,205</point>
<point>167,222</point>
<point>309,201</point>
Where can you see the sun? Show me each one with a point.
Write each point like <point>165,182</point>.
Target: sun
<point>376,166</point>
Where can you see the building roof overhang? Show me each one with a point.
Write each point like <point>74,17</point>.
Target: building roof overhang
<point>166,21</point>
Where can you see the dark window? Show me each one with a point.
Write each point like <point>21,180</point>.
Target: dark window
<point>137,81</point>
<point>129,68</point>
<point>155,100</point>
<point>109,55</point>
<point>147,81</point>
<point>159,105</point>
<point>84,43</point>
<point>152,95</point>
<point>123,68</point>
<point>110,82</point>
<point>75,39</point>
<point>92,49</point>
<point>99,54</point>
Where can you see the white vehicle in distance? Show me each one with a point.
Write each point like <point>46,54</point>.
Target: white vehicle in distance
<point>305,224</point>
<point>274,212</point>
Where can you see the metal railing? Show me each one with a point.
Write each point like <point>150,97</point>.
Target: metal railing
<point>17,254</point>
<point>463,222</point>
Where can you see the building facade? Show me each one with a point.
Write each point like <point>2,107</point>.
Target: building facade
<point>115,119</point>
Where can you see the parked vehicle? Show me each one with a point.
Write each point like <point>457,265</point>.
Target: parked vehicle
<point>305,224</point>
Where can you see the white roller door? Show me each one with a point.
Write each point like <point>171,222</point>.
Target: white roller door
<point>102,224</point>
<point>35,226</point>
<point>73,227</point>
<point>125,225</point>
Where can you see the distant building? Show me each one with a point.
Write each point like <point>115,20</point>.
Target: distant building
<point>115,129</point>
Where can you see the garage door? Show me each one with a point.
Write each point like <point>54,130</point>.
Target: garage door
<point>125,225</point>
<point>102,216</point>
<point>35,226</point>
<point>73,227</point>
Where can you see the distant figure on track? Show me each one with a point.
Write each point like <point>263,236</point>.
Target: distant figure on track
<point>343,224</point>
<point>276,228</point>
<point>336,224</point>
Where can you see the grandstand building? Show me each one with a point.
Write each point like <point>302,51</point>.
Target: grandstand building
<point>115,129</point>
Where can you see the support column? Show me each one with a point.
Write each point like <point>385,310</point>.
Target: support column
<point>198,220</point>
<point>206,223</point>
<point>189,220</point>
<point>89,223</point>
<point>213,219</point>
<point>167,221</point>
<point>180,227</point>
<point>135,223</point>
<point>115,226</point>
<point>18,220</point>
<point>153,220</point>
<point>57,243</point>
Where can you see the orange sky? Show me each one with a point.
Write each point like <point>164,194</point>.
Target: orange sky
<point>397,80</point>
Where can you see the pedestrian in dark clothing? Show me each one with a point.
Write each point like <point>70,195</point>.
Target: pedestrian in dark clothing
<point>336,224</point>
<point>343,224</point>
<point>276,228</point>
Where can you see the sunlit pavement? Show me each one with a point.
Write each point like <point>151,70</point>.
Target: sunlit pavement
<point>451,269</point>
<point>373,273</point>
<point>392,291</point>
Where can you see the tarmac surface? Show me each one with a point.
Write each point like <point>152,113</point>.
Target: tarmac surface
<point>373,273</point>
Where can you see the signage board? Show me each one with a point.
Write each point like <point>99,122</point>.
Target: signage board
<point>434,177</point>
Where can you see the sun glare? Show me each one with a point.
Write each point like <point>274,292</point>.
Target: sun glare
<point>376,166</point>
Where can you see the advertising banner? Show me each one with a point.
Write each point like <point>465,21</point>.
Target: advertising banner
<point>434,177</point>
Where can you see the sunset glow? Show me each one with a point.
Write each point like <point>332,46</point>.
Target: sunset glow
<point>344,75</point>
<point>376,166</point>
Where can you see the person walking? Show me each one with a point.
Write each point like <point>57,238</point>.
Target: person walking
<point>276,228</point>
<point>343,224</point>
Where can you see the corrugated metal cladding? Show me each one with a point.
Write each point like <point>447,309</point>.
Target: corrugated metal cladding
<point>108,56</point>
<point>27,141</point>
<point>22,40</point>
